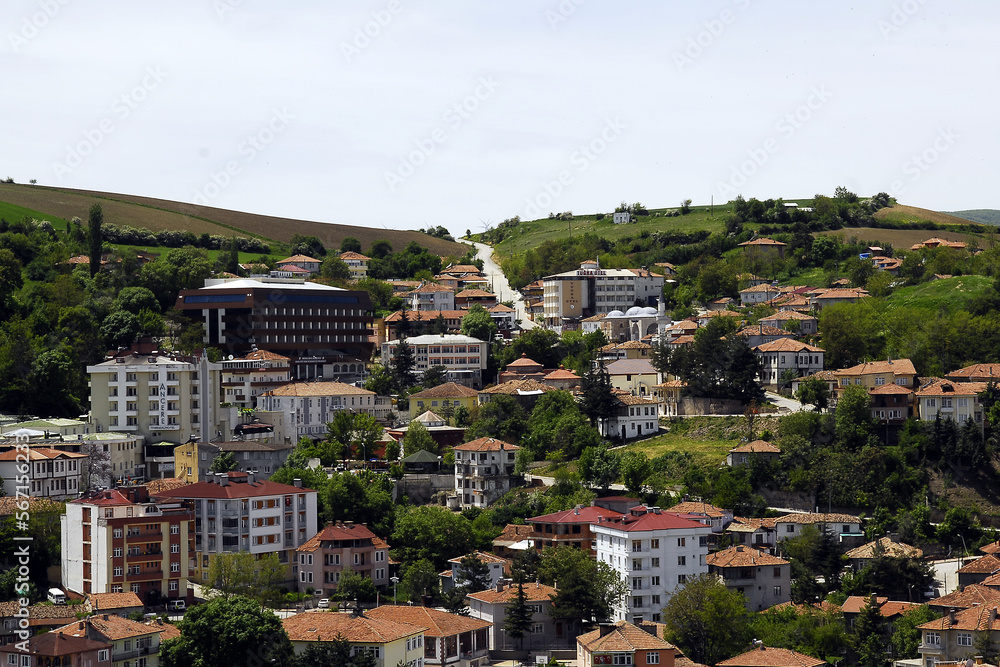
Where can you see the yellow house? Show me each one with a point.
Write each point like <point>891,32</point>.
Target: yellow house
<point>357,264</point>
<point>186,462</point>
<point>878,373</point>
<point>390,642</point>
<point>447,395</point>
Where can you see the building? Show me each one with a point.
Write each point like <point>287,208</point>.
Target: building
<point>623,644</point>
<point>238,512</point>
<point>838,526</point>
<point>635,376</point>
<point>758,334</point>
<point>51,473</point>
<point>635,416</point>
<point>763,579</point>
<point>475,297</point>
<point>978,570</point>
<point>308,406</point>
<point>758,533</point>
<point>304,262</point>
<point>357,264</point>
<point>154,394</point>
<point>807,325</point>
<point>958,401</point>
<point>505,318</point>
<point>448,395</point>
<point>324,330</point>
<point>877,373</point>
<point>338,547</point>
<point>431,296</point>
<point>544,633</point>
<point>484,471</point>
<point>786,355</point>
<point>763,293</point>
<point>246,378</point>
<point>975,373</point>
<point>463,357</point>
<point>765,656</point>
<point>884,547</point>
<point>420,320</point>
<point>953,636</point>
<point>654,552</point>
<point>496,566</point>
<point>449,639</point>
<point>123,540</point>
<point>570,527</point>
<point>131,642</point>
<point>590,290</point>
<point>759,450</point>
<point>436,426</point>
<point>54,649</point>
<point>193,460</point>
<point>763,246</point>
<point>389,641</point>
<point>118,604</point>
<point>621,217</point>
<point>830,297</point>
<point>562,379</point>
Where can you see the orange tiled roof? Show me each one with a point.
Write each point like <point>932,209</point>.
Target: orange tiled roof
<point>437,623</point>
<point>109,626</point>
<point>328,625</point>
<point>976,372</point>
<point>787,345</point>
<point>319,389</point>
<point>757,446</point>
<point>939,387</point>
<point>896,366</point>
<point>694,507</point>
<point>987,564</point>
<point>811,517</point>
<point>534,592</point>
<point>297,258</point>
<point>446,390</point>
<point>350,254</point>
<point>976,618</point>
<point>739,556</point>
<point>623,637</point>
<point>513,532</point>
<point>887,548</point>
<point>514,387</point>
<point>762,242</point>
<point>771,657</point>
<point>98,602</point>
<point>970,596</point>
<point>338,531</point>
<point>486,445</point>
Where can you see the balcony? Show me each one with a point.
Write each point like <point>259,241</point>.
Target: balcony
<point>145,555</point>
<point>143,535</point>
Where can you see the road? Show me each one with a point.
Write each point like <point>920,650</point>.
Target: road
<point>791,405</point>
<point>500,285</point>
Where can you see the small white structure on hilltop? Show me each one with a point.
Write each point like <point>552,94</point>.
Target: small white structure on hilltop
<point>622,217</point>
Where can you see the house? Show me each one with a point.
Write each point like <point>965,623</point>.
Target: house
<point>832,297</point>
<point>628,349</point>
<point>524,368</point>
<point>238,512</point>
<point>57,649</point>
<point>562,379</point>
<point>973,595</point>
<point>436,426</point>
<point>505,318</point>
<point>569,527</point>
<point>722,303</point>
<point>958,401</point>
<point>634,323</point>
<point>765,656</point>
<point>357,264</point>
<point>308,264</point>
<point>449,639</point>
<point>952,637</point>
<point>119,604</point>
<point>132,642</point>
<point>623,643</point>
<point>704,318</point>
<point>244,379</point>
<point>621,217</point>
<point>873,374</point>
<point>463,357</point>
<point>758,450</point>
<point>840,526</point>
<point>807,325</point>
<point>634,416</point>
<point>496,565</point>
<point>783,355</point>
<point>388,640</point>
<point>758,533</point>
<point>936,242</point>
<point>763,579</point>
<point>544,633</point>
<point>884,547</point>
<point>193,460</point>
<point>338,547</point>
<point>976,373</point>
<point>763,246</point>
<point>758,334</point>
<point>484,471</point>
<point>475,297</point>
<point>978,570</point>
<point>420,320</point>
<point>654,552</point>
<point>525,392</point>
<point>125,540</point>
<point>513,539</point>
<point>636,376</point>
<point>48,473</point>
<point>449,395</point>
<point>431,296</point>
<point>891,406</point>
<point>309,406</point>
<point>40,618</point>
<point>763,293</point>
<point>829,377</point>
<point>670,394</point>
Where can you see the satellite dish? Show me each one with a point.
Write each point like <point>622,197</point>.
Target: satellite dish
<point>230,357</point>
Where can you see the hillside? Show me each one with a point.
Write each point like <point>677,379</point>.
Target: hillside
<point>57,205</point>
<point>912,214</point>
<point>900,239</point>
<point>954,292</point>
<point>985,216</point>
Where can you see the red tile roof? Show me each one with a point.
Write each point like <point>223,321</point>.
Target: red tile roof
<point>232,490</point>
<point>437,623</point>
<point>338,531</point>
<point>739,556</point>
<point>757,446</point>
<point>328,625</point>
<point>635,522</point>
<point>987,564</point>
<point>534,592</point>
<point>588,514</point>
<point>771,657</point>
<point>623,637</point>
<point>486,445</point>
<point>446,390</point>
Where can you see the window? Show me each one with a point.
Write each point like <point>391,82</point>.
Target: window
<point>777,591</point>
<point>636,601</point>
<point>175,548</point>
<point>931,402</point>
<point>636,546</point>
<point>654,544</point>
<point>173,585</point>
<point>636,583</point>
<point>964,639</point>
<point>654,581</point>
<point>681,541</point>
<point>932,638</point>
<point>682,560</point>
<point>118,532</point>
<point>790,528</point>
<point>879,381</point>
<point>777,572</point>
<point>656,600</point>
<point>655,563</point>
<point>103,655</point>
<point>118,552</point>
<point>175,567</point>
<point>681,578</point>
<point>118,571</point>
<point>175,529</point>
<point>652,657</point>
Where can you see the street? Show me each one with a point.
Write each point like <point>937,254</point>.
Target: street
<point>500,285</point>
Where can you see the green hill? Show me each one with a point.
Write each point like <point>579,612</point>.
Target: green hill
<point>986,216</point>
<point>60,204</point>
<point>956,293</point>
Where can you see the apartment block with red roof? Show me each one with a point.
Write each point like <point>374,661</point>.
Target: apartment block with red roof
<point>952,637</point>
<point>337,548</point>
<point>126,541</point>
<point>132,642</point>
<point>357,264</point>
<point>431,296</point>
<point>53,649</point>
<point>484,471</point>
<point>763,579</point>
<point>544,633</point>
<point>623,643</point>
<point>569,527</point>
<point>653,551</point>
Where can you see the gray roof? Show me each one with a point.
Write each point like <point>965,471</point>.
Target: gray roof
<point>423,456</point>
<point>630,367</point>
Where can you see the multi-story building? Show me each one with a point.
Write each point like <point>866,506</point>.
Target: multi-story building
<point>193,460</point>
<point>495,565</point>
<point>484,471</point>
<point>160,396</point>
<point>544,633</point>
<point>590,290</point>
<point>431,296</point>
<point>763,579</point>
<point>958,401</point>
<point>308,406</point>
<point>308,264</point>
<point>339,547</point>
<point>785,354</point>
<point>357,264</point>
<point>324,330</point>
<point>569,527</point>
<point>463,357</point>
<point>634,416</point>
<point>654,552</point>
<point>838,526</point>
<point>807,324</point>
<point>389,641</point>
<point>124,540</point>
<point>246,378</point>
<point>953,637</point>
<point>56,649</point>
<point>440,398</point>
<point>132,643</point>
<point>624,644</point>
<point>877,373</point>
<point>50,473</point>
<point>238,512</point>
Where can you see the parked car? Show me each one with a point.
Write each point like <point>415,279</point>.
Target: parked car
<point>179,605</point>
<point>324,603</point>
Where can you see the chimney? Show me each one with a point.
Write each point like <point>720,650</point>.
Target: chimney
<point>251,478</point>
<point>739,547</point>
<point>951,616</point>
<point>223,479</point>
<point>105,617</point>
<point>576,510</point>
<point>297,482</point>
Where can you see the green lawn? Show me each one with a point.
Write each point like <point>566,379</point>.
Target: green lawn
<point>708,439</point>
<point>245,257</point>
<point>956,292</point>
<point>13,213</point>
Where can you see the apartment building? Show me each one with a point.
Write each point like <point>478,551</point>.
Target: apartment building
<point>125,540</point>
<point>958,401</point>
<point>246,378</point>
<point>569,527</point>
<point>357,264</point>
<point>132,644</point>
<point>339,547</point>
<point>235,511</point>
<point>308,406</point>
<point>431,296</point>
<point>389,641</point>
<point>544,633</point>
<point>654,552</point>
<point>786,354</point>
<point>193,460</point>
<point>590,290</point>
<point>877,373</point>
<point>49,473</point>
<point>160,396</point>
<point>463,357</point>
<point>484,471</point>
<point>953,636</point>
<point>763,580</point>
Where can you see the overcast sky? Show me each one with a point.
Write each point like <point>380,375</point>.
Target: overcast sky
<point>406,113</point>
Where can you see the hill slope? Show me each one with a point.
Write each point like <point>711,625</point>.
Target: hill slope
<point>986,216</point>
<point>159,214</point>
<point>903,213</point>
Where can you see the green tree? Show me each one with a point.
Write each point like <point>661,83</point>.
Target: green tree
<point>597,400</point>
<point>403,365</point>
<point>418,437</point>
<point>718,364</point>
<point>135,300</point>
<point>419,578</point>
<point>228,631</point>
<point>95,238</point>
<point>814,391</point>
<point>334,268</point>
<point>120,329</point>
<point>243,574</point>
<point>478,323</point>
<point>354,586</point>
<point>635,468</point>
<point>905,636</point>
<point>224,462</point>
<point>350,244</point>
<point>706,620</point>
<point>599,465</point>
<point>853,424</point>
<point>434,376</point>
<point>869,640</point>
<point>588,590</point>
<point>502,418</point>
<point>431,533</point>
<point>380,380</point>
<point>336,652</point>
<point>518,615</point>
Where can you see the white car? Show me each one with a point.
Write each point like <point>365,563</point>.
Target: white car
<point>324,603</point>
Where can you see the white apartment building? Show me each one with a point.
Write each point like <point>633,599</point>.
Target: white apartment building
<point>246,378</point>
<point>432,296</point>
<point>49,473</point>
<point>161,397</point>
<point>308,406</point>
<point>484,471</point>
<point>653,551</point>
<point>464,357</point>
<point>590,290</point>
<point>958,401</point>
<point>237,512</point>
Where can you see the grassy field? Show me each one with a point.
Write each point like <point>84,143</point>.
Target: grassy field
<point>956,292</point>
<point>903,213</point>
<point>708,439</point>
<point>901,239</point>
<point>13,213</point>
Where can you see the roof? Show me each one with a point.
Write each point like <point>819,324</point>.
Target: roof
<point>262,355</point>
<point>757,446</point>
<point>980,372</point>
<point>739,556</point>
<point>889,389</point>
<point>54,644</point>
<point>350,254</point>
<point>109,626</point>
<point>562,374</point>
<point>885,547</point>
<point>763,287</point>
<point>987,564</point>
<point>328,625</point>
<point>475,292</point>
<point>896,366</point>
<point>446,390</point>
<point>107,498</point>
<point>762,241</point>
<point>167,630</point>
<point>337,531</point>
<point>694,507</point>
<point>787,345</point>
<point>588,514</point>
<point>9,504</point>
<point>318,389</point>
<point>461,268</point>
<point>645,521</point>
<point>513,533</point>
<point>515,387</point>
<point>855,603</point>
<point>970,596</point>
<point>422,456</point>
<point>524,361</point>
<point>442,339</point>
<point>483,556</point>
<point>426,315</point>
<point>623,637</point>
<point>39,454</point>
<point>813,517</point>
<point>949,388</point>
<point>783,315</point>
<point>766,656</point>
<point>533,592</point>
<point>631,367</point>
<point>627,345</point>
<point>764,330</point>
<point>437,623</point>
<point>157,486</point>
<point>976,618</point>
<point>298,258</point>
<point>855,293</point>
<point>429,288</point>
<point>232,490</point>
<point>105,601</point>
<point>486,445</point>
<point>500,308</point>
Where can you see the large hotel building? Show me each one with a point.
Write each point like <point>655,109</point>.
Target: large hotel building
<point>590,290</point>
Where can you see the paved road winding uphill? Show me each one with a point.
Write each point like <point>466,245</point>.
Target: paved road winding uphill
<point>500,285</point>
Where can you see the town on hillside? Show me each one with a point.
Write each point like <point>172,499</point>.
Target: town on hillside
<point>762,457</point>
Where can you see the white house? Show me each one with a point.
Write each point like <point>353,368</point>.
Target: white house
<point>786,354</point>
<point>308,406</point>
<point>544,633</point>
<point>958,401</point>
<point>836,525</point>
<point>48,473</point>
<point>464,357</point>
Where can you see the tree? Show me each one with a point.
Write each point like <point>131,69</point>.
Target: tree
<point>519,615</point>
<point>502,418</point>
<point>473,574</point>
<point>814,391</point>
<point>354,586</point>
<point>380,380</point>
<point>419,578</point>
<point>10,278</point>
<point>635,468</point>
<point>224,462</point>
<point>350,244</point>
<point>403,365</point>
<point>868,635</point>
<point>478,323</point>
<point>434,376</point>
<point>243,574</point>
<point>906,637</point>
<point>588,590</point>
<point>336,652</point>
<point>719,364</point>
<point>853,424</point>
<point>418,437</point>
<point>334,268</point>
<point>431,533</point>
<point>120,329</point>
<point>228,631</point>
<point>598,401</point>
<point>95,238</point>
<point>97,466</point>
<point>599,465</point>
<point>706,620</point>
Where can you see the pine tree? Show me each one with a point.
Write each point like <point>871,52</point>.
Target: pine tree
<point>518,615</point>
<point>95,237</point>
<point>599,402</point>
<point>402,366</point>
<point>869,639</point>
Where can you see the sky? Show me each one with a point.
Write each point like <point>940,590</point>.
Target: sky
<point>410,113</point>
